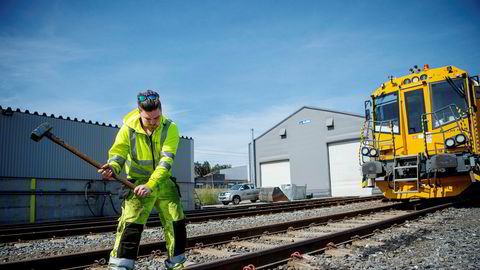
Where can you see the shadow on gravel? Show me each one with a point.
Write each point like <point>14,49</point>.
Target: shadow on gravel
<point>395,243</point>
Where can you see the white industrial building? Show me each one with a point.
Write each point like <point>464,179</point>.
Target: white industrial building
<point>314,147</point>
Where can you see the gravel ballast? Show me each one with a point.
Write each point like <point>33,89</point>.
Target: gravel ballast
<point>447,239</point>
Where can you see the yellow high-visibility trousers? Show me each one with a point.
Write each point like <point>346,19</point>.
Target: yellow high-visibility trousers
<point>135,213</point>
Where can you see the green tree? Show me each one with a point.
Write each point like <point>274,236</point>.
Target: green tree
<point>202,169</point>
<point>219,167</point>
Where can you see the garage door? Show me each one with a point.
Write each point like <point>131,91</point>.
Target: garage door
<point>345,172</point>
<point>274,174</point>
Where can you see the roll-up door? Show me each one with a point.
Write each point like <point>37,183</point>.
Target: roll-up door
<point>275,173</point>
<point>345,171</point>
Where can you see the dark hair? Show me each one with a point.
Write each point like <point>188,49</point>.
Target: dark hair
<point>149,104</point>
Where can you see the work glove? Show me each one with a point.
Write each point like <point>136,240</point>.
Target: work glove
<point>107,172</point>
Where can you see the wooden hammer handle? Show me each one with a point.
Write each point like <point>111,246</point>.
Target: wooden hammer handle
<point>92,162</point>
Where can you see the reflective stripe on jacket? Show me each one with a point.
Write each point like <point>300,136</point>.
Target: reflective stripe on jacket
<point>146,157</point>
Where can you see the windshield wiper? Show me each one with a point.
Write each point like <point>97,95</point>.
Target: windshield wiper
<point>461,92</point>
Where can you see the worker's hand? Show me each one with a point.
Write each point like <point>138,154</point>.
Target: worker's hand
<point>107,172</point>
<point>142,191</point>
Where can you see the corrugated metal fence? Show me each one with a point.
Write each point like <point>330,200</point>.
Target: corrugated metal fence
<point>41,181</point>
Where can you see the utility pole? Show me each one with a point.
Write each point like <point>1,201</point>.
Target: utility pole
<point>252,164</point>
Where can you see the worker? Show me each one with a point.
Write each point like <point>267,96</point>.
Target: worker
<point>146,145</point>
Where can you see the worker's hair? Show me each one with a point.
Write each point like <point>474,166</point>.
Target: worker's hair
<point>149,104</point>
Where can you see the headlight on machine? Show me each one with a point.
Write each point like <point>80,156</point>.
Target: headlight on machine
<point>460,139</point>
<point>449,143</point>
<point>365,151</point>
<point>373,152</point>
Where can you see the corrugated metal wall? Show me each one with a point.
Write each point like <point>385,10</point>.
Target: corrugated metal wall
<point>57,170</point>
<point>23,157</point>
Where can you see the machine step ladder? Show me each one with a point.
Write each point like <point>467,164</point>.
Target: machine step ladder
<point>397,166</point>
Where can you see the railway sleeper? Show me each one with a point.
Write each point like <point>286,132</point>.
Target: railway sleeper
<point>307,235</point>
<point>250,245</point>
<point>285,238</point>
<point>340,226</point>
<point>338,252</point>
<point>214,252</point>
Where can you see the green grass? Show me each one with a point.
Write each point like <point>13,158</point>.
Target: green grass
<point>208,195</point>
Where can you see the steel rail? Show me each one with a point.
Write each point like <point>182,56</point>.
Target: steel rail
<point>62,230</point>
<point>79,260</point>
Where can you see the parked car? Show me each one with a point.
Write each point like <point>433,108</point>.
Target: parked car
<point>239,193</point>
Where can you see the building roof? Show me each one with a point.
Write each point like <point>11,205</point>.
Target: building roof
<point>312,108</point>
<point>9,110</point>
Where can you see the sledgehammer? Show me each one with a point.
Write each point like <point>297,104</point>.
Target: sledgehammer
<point>44,130</point>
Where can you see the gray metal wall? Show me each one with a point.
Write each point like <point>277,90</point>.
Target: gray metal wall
<point>305,145</point>
<point>57,170</point>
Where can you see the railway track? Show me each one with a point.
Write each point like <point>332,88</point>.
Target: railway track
<point>12,233</point>
<point>300,241</point>
<point>263,246</point>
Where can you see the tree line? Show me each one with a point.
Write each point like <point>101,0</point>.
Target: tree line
<point>202,169</point>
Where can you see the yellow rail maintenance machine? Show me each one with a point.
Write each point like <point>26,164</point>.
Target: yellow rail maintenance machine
<point>421,137</point>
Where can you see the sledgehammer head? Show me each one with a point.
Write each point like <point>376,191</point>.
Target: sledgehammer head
<point>40,131</point>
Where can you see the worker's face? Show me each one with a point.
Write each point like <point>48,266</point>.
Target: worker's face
<point>151,120</point>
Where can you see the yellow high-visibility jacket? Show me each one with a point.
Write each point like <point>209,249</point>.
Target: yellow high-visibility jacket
<point>146,158</point>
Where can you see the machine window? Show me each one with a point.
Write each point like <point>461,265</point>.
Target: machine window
<point>386,110</point>
<point>415,106</point>
<point>444,95</point>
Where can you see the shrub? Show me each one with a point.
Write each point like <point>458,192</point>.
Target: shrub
<point>208,195</point>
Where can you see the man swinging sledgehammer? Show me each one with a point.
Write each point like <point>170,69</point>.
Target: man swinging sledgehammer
<point>146,145</point>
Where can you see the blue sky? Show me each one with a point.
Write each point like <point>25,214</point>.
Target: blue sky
<point>222,67</point>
